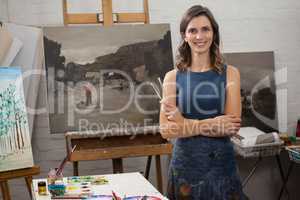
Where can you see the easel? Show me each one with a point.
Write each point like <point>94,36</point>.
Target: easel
<point>26,173</point>
<point>91,146</point>
<point>107,18</point>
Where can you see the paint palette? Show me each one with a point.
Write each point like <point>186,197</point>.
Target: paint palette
<point>94,180</point>
<point>83,188</point>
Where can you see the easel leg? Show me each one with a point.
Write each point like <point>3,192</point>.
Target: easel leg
<point>117,165</point>
<point>75,168</point>
<point>148,167</point>
<point>5,190</point>
<point>28,180</point>
<point>158,173</point>
<point>245,181</point>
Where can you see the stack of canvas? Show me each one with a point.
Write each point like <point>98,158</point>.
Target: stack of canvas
<point>25,50</point>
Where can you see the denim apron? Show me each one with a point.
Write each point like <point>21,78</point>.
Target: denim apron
<point>203,168</point>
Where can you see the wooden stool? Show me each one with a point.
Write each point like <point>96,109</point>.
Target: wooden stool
<point>27,173</point>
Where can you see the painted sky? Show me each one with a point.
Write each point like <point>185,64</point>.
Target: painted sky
<point>94,41</point>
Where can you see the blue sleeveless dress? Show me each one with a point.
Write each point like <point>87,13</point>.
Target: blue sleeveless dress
<point>202,168</point>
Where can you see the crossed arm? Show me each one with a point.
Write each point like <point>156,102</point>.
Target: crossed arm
<point>174,125</point>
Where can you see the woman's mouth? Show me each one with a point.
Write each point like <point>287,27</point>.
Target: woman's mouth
<point>200,44</point>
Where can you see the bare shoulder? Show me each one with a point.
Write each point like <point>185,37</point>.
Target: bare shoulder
<point>170,76</point>
<point>232,72</point>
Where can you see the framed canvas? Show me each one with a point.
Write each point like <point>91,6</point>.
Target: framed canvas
<point>15,145</point>
<point>258,88</point>
<point>102,78</point>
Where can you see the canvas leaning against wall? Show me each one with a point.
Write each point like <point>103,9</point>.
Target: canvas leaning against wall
<point>258,88</point>
<point>15,145</point>
<point>99,78</point>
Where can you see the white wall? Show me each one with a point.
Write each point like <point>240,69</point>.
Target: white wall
<point>253,26</point>
<point>3,10</point>
<point>245,26</point>
<point>249,25</point>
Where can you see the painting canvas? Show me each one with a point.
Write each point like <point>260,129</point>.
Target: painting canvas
<point>102,78</point>
<point>15,145</point>
<point>258,89</point>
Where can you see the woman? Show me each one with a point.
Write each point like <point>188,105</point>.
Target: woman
<point>201,108</point>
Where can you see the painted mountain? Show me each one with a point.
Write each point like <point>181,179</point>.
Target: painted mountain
<point>101,78</point>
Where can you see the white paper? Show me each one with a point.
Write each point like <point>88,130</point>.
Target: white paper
<point>5,43</point>
<point>12,52</point>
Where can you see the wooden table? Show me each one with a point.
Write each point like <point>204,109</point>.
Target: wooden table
<point>117,144</point>
<point>126,184</point>
<point>26,173</point>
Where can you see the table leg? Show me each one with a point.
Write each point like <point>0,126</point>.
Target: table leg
<point>281,172</point>
<point>245,181</point>
<point>286,179</point>
<point>75,168</point>
<point>5,190</point>
<point>28,181</point>
<point>148,167</point>
<point>117,165</point>
<point>158,174</point>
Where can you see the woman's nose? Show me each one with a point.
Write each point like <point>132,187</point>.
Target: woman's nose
<point>199,35</point>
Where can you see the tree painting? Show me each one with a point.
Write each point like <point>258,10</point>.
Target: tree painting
<point>15,146</point>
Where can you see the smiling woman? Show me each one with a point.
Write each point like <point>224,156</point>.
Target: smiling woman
<point>199,34</point>
<point>201,110</point>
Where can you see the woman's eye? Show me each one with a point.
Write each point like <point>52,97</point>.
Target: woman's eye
<point>206,29</point>
<point>192,30</point>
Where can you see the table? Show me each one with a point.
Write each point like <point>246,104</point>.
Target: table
<point>294,159</point>
<point>257,151</point>
<point>129,184</point>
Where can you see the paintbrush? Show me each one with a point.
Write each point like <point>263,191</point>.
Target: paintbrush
<point>68,197</point>
<point>160,82</point>
<point>63,163</point>
<point>156,90</point>
<point>115,197</point>
<point>239,137</point>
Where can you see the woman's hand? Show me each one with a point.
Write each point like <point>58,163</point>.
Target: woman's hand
<point>225,125</point>
<point>171,111</point>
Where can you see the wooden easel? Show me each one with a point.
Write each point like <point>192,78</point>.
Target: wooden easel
<point>26,173</point>
<point>115,147</point>
<point>92,146</point>
<point>107,18</point>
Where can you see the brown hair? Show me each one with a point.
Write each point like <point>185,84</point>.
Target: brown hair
<point>184,57</point>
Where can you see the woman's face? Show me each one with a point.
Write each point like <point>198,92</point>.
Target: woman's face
<point>199,35</point>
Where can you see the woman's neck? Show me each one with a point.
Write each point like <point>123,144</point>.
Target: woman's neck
<point>200,62</point>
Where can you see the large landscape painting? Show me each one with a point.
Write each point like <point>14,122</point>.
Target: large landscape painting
<point>102,78</point>
<point>258,89</point>
<point>15,145</point>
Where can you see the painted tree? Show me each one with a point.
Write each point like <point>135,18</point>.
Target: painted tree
<point>13,120</point>
<point>19,115</point>
<point>7,145</point>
